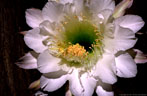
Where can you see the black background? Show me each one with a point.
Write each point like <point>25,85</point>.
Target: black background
<point>15,81</point>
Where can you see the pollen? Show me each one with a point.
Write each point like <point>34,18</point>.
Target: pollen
<point>61,50</point>
<point>76,50</point>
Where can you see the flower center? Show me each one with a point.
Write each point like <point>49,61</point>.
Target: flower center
<point>81,32</point>
<point>80,43</point>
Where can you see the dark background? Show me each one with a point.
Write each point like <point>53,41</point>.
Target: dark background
<point>14,81</point>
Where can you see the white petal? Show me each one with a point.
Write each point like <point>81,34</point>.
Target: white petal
<point>132,22</point>
<point>79,6</point>
<point>27,62</point>
<point>52,84</point>
<point>48,26</point>
<point>101,92</point>
<point>39,93</point>
<point>126,66</point>
<point>106,14</point>
<point>52,11</point>
<point>102,17</point>
<point>68,93</point>
<point>35,85</point>
<point>55,74</point>
<point>105,86</point>
<point>99,5</point>
<point>34,17</point>
<point>47,62</point>
<point>113,46</point>
<point>140,57</point>
<point>122,33</point>
<point>121,8</point>
<point>75,84</point>
<point>122,39</point>
<point>34,40</point>
<point>65,1</point>
<point>105,69</point>
<point>89,84</point>
<point>69,9</point>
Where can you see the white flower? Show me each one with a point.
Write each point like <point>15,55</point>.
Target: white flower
<point>81,42</point>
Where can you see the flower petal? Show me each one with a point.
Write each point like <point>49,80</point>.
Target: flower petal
<point>35,85</point>
<point>98,5</point>
<point>133,22</point>
<point>52,84</point>
<point>34,40</point>
<point>126,66</point>
<point>47,62</point>
<point>105,69</point>
<point>34,17</point>
<point>121,39</point>
<point>39,93</point>
<point>121,8</point>
<point>121,32</point>
<point>140,57</point>
<point>68,93</point>
<point>75,83</point>
<point>101,92</point>
<point>55,74</point>
<point>27,62</point>
<point>105,86</point>
<point>79,6</point>
<point>69,9</point>
<point>47,28</point>
<point>89,84</point>
<point>52,11</point>
<point>103,16</point>
<point>65,1</point>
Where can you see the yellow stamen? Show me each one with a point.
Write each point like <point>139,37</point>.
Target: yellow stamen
<point>75,16</point>
<point>61,50</point>
<point>64,23</point>
<point>76,50</point>
<point>95,30</point>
